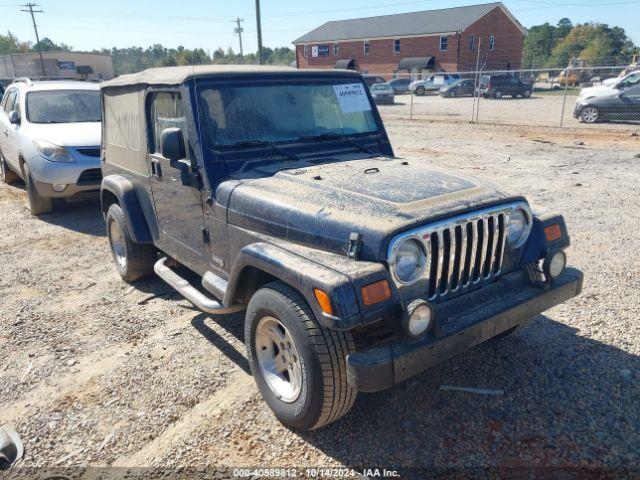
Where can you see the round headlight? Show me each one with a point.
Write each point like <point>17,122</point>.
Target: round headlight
<point>518,228</point>
<point>410,261</point>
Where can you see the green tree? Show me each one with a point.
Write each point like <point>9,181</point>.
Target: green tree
<point>9,43</point>
<point>48,45</point>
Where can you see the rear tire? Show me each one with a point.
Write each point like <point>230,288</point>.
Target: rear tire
<point>420,91</point>
<point>305,386</point>
<point>134,261</point>
<point>526,93</point>
<point>8,176</point>
<point>38,205</point>
<point>497,94</point>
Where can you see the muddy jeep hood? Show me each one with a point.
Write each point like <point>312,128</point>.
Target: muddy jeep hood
<point>320,206</point>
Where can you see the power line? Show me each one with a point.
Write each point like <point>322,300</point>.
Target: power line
<point>35,28</point>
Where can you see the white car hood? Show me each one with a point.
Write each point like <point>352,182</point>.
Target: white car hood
<point>79,134</point>
<point>599,91</point>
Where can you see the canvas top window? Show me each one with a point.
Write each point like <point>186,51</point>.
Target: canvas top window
<point>165,111</point>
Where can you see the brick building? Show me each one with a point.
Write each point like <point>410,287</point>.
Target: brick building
<point>434,40</point>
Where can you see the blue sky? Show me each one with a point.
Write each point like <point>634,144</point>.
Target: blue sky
<point>86,24</point>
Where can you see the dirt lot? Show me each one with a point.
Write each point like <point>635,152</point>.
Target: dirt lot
<point>98,373</point>
<point>542,109</point>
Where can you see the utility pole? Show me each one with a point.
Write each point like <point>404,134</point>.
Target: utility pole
<point>239,31</point>
<point>35,27</point>
<point>259,32</point>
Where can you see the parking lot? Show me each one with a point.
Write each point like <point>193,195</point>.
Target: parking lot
<point>541,109</point>
<point>98,373</point>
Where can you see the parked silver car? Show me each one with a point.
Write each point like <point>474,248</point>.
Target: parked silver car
<point>50,137</point>
<point>433,83</point>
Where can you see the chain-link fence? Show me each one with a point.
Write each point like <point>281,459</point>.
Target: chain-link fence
<point>574,97</point>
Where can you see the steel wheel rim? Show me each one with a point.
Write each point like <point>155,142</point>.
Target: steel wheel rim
<point>498,94</point>
<point>590,114</point>
<point>117,244</point>
<point>278,359</point>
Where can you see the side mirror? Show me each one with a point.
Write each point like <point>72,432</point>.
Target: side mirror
<point>172,144</point>
<point>14,117</point>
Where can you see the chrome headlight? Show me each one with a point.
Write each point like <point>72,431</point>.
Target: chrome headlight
<point>519,227</point>
<point>52,152</point>
<point>409,260</point>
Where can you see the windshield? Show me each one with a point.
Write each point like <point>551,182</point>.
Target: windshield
<point>283,112</point>
<point>64,106</point>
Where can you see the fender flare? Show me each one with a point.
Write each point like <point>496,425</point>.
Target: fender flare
<point>122,188</point>
<point>302,274</point>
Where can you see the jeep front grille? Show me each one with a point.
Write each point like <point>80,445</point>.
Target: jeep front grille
<point>465,253</point>
<point>462,252</point>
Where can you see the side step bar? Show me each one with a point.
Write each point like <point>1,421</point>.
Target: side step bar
<point>191,293</point>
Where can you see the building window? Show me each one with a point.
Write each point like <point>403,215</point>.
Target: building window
<point>444,43</point>
<point>472,42</point>
<point>365,47</point>
<point>336,48</point>
<point>396,46</point>
<point>492,42</point>
<point>305,51</point>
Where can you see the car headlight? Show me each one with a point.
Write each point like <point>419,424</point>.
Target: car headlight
<point>52,152</point>
<point>519,227</point>
<point>410,260</point>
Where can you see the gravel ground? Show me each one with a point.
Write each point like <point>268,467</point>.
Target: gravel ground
<point>542,109</point>
<point>97,373</point>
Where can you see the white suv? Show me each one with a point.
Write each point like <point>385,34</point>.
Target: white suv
<point>50,137</point>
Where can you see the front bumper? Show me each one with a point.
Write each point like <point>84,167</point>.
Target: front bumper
<point>460,323</point>
<point>577,109</point>
<point>46,190</point>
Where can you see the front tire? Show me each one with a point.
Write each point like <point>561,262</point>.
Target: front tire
<point>298,365</point>
<point>420,91</point>
<point>589,115</point>
<point>497,94</point>
<point>8,176</point>
<point>526,93</point>
<point>38,205</point>
<point>134,261</point>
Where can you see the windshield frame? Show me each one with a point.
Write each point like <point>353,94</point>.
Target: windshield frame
<point>66,90</point>
<point>274,80</point>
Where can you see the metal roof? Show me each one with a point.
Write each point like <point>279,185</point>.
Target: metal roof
<point>404,24</point>
<point>178,75</point>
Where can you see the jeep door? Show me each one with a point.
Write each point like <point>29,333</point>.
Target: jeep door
<point>178,206</point>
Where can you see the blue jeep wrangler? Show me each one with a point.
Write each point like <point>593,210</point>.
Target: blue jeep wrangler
<point>279,188</point>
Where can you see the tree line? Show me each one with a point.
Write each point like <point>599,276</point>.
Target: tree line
<point>134,59</point>
<point>598,44</point>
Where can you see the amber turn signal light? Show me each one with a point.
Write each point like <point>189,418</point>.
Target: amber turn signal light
<point>376,292</point>
<point>552,232</point>
<point>323,301</point>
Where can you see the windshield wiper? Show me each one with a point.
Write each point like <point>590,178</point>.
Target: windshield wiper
<point>337,136</point>
<point>258,144</point>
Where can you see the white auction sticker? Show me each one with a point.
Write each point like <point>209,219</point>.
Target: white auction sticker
<point>352,97</point>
